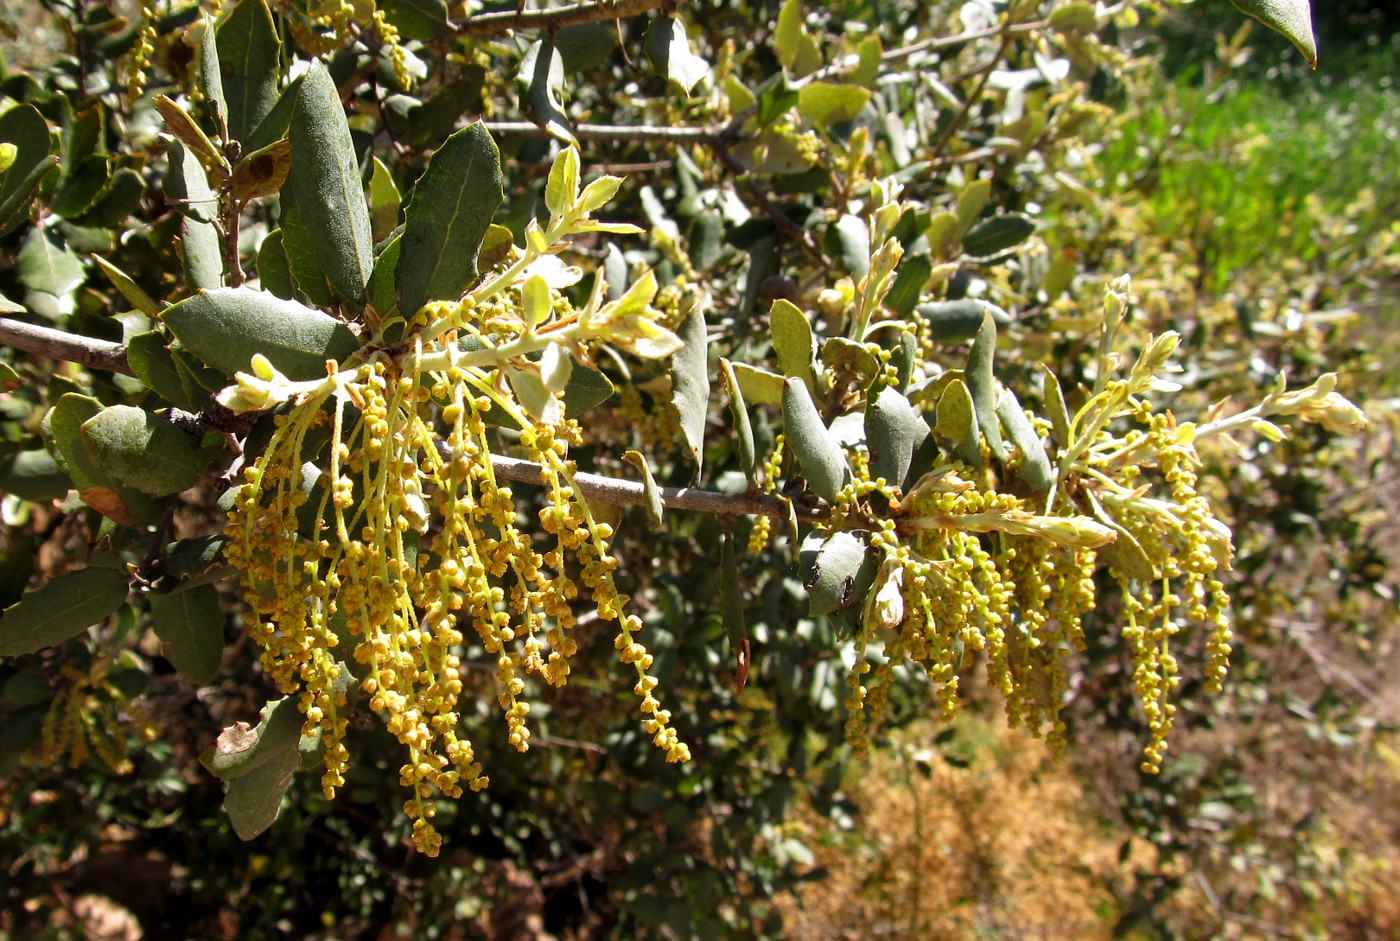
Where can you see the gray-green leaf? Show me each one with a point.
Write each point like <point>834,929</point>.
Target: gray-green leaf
<point>190,625</point>
<point>823,462</point>
<point>225,327</point>
<point>447,217</point>
<point>250,55</point>
<point>326,179</point>
<point>135,448</point>
<point>61,609</point>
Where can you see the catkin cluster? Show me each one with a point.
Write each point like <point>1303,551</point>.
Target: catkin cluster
<point>373,557</point>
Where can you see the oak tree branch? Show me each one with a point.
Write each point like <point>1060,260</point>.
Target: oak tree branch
<point>103,354</point>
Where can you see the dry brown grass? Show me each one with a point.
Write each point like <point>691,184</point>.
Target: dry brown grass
<point>1007,847</point>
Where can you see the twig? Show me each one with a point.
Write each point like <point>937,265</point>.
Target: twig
<point>496,24</point>
<point>626,493</point>
<point>55,344</point>
<point>709,136</point>
<point>102,354</point>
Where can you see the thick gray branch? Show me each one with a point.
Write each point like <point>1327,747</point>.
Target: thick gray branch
<point>55,344</point>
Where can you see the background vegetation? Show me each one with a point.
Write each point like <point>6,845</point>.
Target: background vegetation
<point>1251,200</point>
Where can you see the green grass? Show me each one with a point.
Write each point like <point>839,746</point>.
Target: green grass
<point>1257,171</point>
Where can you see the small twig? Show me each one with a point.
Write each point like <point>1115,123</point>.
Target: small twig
<point>709,136</point>
<point>55,344</point>
<point>593,11</point>
<point>626,493</point>
<point>102,354</point>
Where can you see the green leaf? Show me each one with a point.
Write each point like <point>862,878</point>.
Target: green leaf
<point>792,341</point>
<point>186,186</point>
<point>997,235</point>
<point>33,475</point>
<point>943,232</point>
<point>308,279</point>
<point>179,123</point>
<point>1077,17</point>
<point>135,448</point>
<point>823,462</point>
<point>278,122</point>
<point>186,560</point>
<point>652,502</point>
<point>61,609</point>
<point>894,429</point>
<point>447,216</point>
<point>982,386</point>
<point>914,274</point>
<point>759,386</point>
<point>972,199</point>
<point>384,201</point>
<point>423,20</point>
<point>211,80</point>
<point>62,432</point>
<point>585,389</point>
<point>834,568</point>
<point>202,254</point>
<point>796,51</point>
<point>541,76</point>
<point>45,265</point>
<point>115,204</point>
<point>135,296</point>
<point>1055,408</point>
<point>690,384</point>
<point>382,297</point>
<point>156,367</point>
<point>853,241</point>
<point>668,48</point>
<point>561,189</point>
<point>258,765</point>
<point>743,430</point>
<point>25,128</point>
<point>190,625</point>
<point>1292,18</point>
<point>262,172</point>
<point>956,420</point>
<point>274,271</point>
<point>81,186</point>
<point>1034,466</point>
<point>958,321</point>
<point>225,327</point>
<point>823,104</point>
<point>241,750</point>
<point>189,191</point>
<point>325,177</point>
<point>250,54</point>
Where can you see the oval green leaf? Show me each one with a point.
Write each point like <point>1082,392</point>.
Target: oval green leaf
<point>823,462</point>
<point>325,177</point>
<point>447,217</point>
<point>894,429</point>
<point>190,625</point>
<point>997,235</point>
<point>62,609</point>
<point>135,448</point>
<point>225,327</point>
